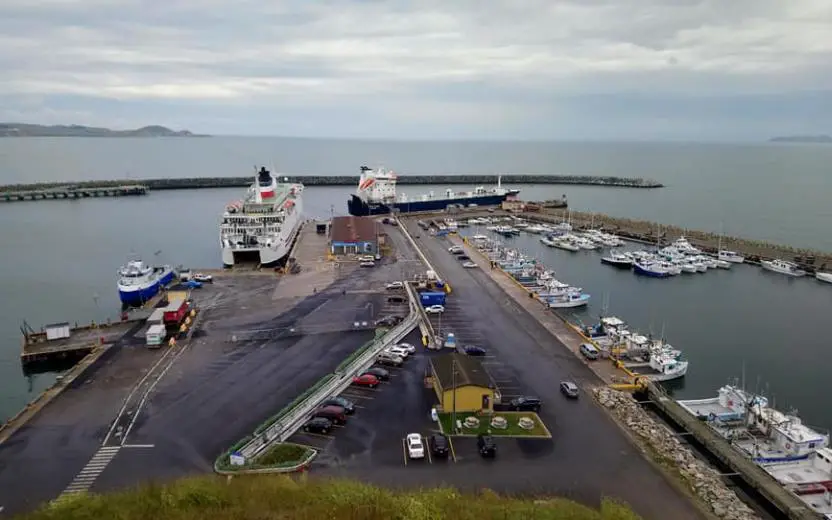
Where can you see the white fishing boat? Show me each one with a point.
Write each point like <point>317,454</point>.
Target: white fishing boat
<point>722,264</point>
<point>663,363</point>
<point>783,267</point>
<point>809,476</point>
<point>568,299</point>
<point>760,432</point>
<point>730,256</point>
<point>547,241</point>
<point>824,277</point>
<point>536,229</point>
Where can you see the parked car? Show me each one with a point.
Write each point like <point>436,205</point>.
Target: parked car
<point>343,402</point>
<point>365,380</point>
<point>435,309</point>
<point>380,373</point>
<point>395,285</point>
<point>569,389</point>
<point>415,446</point>
<point>336,414</point>
<point>473,350</point>
<point>486,446</point>
<point>439,445</point>
<point>407,346</point>
<point>401,352</point>
<point>390,359</point>
<point>202,278</point>
<point>318,425</point>
<point>463,258</point>
<point>388,321</point>
<point>396,299</point>
<point>455,250</point>
<point>470,265</point>
<point>526,404</point>
<point>367,263</point>
<point>192,284</point>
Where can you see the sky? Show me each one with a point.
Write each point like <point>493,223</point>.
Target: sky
<point>702,70</point>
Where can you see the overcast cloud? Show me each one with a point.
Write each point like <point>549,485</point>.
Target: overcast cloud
<point>519,69</point>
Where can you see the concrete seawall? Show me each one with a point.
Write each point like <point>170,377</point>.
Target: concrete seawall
<point>348,180</point>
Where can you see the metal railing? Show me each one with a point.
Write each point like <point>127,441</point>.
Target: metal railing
<point>287,425</point>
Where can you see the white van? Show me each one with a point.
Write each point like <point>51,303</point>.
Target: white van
<point>589,351</point>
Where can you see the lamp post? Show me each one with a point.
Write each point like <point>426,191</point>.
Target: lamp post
<point>453,399</point>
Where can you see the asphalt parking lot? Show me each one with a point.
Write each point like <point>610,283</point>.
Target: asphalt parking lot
<point>588,457</point>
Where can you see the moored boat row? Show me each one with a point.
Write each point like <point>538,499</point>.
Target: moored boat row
<point>797,456</point>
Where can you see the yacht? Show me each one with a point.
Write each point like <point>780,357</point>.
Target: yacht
<point>620,260</point>
<point>569,299</point>
<point>535,229</point>
<point>563,243</point>
<point>782,267</point>
<point>547,241</point>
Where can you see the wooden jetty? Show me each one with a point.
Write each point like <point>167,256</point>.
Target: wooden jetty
<point>73,192</point>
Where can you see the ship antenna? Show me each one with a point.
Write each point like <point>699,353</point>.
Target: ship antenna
<point>499,180</point>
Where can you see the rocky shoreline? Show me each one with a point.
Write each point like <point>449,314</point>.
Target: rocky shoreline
<point>646,231</point>
<point>665,448</point>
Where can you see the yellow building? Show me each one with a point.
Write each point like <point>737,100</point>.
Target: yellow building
<point>462,384</point>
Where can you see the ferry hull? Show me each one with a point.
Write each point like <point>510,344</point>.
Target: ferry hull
<point>358,207</point>
<point>137,296</point>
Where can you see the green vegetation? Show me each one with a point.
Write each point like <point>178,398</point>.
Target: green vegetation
<point>283,455</point>
<point>282,497</point>
<point>513,430</point>
<point>299,399</point>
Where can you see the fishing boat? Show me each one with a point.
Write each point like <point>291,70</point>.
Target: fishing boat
<point>620,260</point>
<point>568,299</point>
<point>546,241</point>
<point>650,268</point>
<point>783,267</point>
<point>566,245</point>
<point>730,256</point>
<point>139,282</point>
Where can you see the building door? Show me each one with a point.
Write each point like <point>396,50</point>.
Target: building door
<point>486,402</point>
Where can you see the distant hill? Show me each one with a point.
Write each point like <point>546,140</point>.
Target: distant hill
<point>802,139</point>
<point>29,130</point>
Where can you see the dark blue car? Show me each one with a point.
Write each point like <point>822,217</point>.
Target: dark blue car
<point>472,350</point>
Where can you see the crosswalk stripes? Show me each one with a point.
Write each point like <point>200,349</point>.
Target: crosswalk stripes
<point>85,479</point>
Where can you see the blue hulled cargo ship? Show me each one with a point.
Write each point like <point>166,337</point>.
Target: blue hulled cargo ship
<point>376,195</point>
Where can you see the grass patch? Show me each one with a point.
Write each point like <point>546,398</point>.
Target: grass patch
<point>283,497</point>
<point>283,454</point>
<point>513,429</point>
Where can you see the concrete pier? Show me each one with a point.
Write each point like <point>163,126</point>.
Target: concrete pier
<point>33,192</point>
<point>189,183</point>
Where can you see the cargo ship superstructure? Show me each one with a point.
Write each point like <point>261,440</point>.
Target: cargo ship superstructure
<point>376,195</point>
<point>261,228</point>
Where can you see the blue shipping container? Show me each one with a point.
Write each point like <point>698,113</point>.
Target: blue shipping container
<point>432,298</point>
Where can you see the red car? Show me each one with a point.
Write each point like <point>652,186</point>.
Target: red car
<point>365,380</point>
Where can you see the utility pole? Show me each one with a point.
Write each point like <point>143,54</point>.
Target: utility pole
<point>453,385</point>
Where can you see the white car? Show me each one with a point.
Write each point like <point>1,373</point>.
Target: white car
<point>395,285</point>
<point>401,352</point>
<point>415,446</point>
<point>469,265</point>
<point>454,249</point>
<point>407,346</point>
<point>435,309</point>
<point>201,277</point>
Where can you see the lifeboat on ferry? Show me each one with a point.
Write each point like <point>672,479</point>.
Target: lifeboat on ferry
<point>234,207</point>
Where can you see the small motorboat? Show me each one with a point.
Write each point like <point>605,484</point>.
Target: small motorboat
<point>650,268</point>
<point>731,256</point>
<point>824,277</point>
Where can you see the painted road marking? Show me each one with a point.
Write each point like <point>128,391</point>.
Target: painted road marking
<point>86,477</point>
<point>139,446</point>
<point>404,451</point>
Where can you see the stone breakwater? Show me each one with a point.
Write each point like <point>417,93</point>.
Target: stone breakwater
<point>646,231</point>
<point>666,449</point>
<point>352,180</point>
